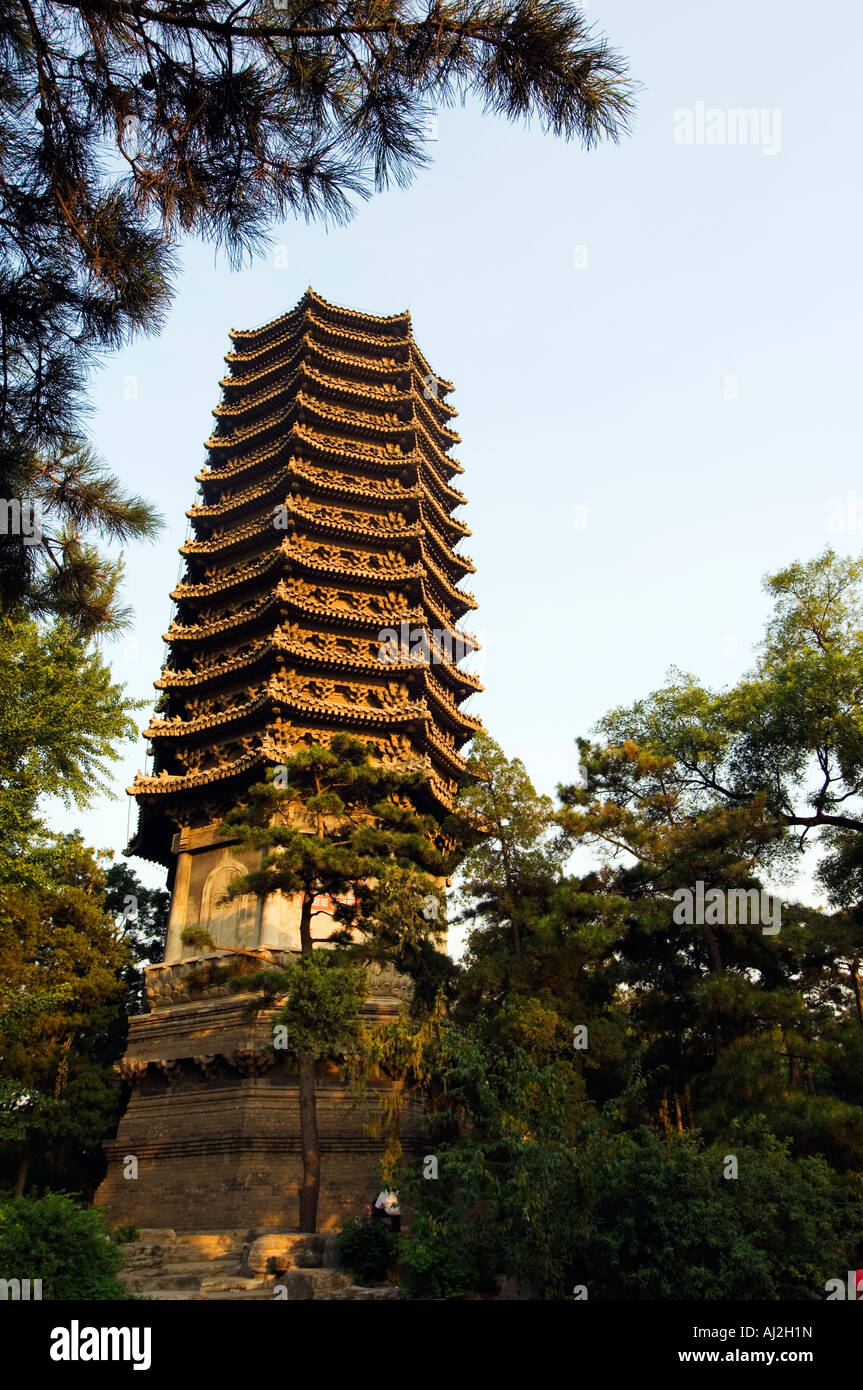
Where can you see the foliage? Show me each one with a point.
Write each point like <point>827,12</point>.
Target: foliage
<point>501,1128</point>
<point>52,564</point>
<point>441,1261</point>
<point>647,1217</point>
<point>366,1249</point>
<point>62,964</point>
<point>320,998</point>
<point>693,786</point>
<point>786,743</point>
<point>404,1052</point>
<point>61,716</point>
<point>622,1209</point>
<point>515,859</point>
<point>602,1166</point>
<point>351,829</point>
<point>124,1235</point>
<point>66,1246</point>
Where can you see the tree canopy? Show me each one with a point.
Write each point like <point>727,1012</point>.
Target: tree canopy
<point>618,1085</point>
<point>61,718</point>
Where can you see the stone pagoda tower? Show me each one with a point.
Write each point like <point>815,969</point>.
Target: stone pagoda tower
<point>320,595</point>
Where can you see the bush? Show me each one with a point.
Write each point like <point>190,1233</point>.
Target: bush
<point>366,1249</point>
<point>66,1246</point>
<point>654,1218</point>
<point>439,1263</point>
<point>635,1215</point>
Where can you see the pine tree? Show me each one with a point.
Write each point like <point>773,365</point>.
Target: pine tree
<point>60,506</point>
<point>514,846</point>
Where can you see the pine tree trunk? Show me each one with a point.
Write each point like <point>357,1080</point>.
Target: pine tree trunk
<point>309,1139</point>
<point>678,1113</point>
<point>857,977</point>
<point>311,1146</point>
<point>21,1178</point>
<point>687,1108</point>
<point>663,1115</point>
<point>306,943</point>
<point>713,950</point>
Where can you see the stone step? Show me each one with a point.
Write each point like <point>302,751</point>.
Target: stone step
<point>311,1283</point>
<point>166,1264</point>
<point>275,1252</point>
<point>202,1268</point>
<point>155,1279</point>
<point>256,1295</point>
<point>178,1253</point>
<point>230,1281</point>
<point>218,1241</point>
<point>359,1293</point>
<point>169,1295</point>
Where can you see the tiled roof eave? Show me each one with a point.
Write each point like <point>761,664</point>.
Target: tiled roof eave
<point>179,680</point>
<point>201,632</point>
<point>168,784</point>
<point>341,661</point>
<point>172,729</point>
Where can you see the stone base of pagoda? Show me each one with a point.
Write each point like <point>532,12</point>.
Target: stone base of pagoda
<point>210,1138</point>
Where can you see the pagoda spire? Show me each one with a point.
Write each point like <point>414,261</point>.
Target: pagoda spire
<point>323,589</point>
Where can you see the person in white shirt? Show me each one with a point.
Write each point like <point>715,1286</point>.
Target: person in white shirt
<point>387,1204</point>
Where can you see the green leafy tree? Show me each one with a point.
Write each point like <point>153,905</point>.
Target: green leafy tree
<point>61,717</point>
<point>613,1209</point>
<point>539,960</point>
<point>513,859</point>
<point>736,1011</point>
<point>142,913</point>
<point>62,964</point>
<point>320,997</point>
<point>705,1038</point>
<point>786,742</point>
<point>367,1249</point>
<point>791,732</point>
<point>784,746</point>
<point>647,1216</point>
<point>502,1124</point>
<point>726,788</point>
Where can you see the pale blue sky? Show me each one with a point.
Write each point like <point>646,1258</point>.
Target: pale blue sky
<point>709,269</point>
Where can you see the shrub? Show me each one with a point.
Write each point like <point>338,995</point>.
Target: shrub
<point>66,1246</point>
<point>445,1260</point>
<point>366,1249</point>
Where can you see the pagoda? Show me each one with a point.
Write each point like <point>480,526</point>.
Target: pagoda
<point>321,594</point>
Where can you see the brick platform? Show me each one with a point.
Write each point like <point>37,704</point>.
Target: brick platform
<point>213,1119</point>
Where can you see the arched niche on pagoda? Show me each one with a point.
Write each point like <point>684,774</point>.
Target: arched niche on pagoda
<point>232,923</point>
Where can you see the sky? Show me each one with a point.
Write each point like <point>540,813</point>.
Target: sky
<point>655,348</point>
